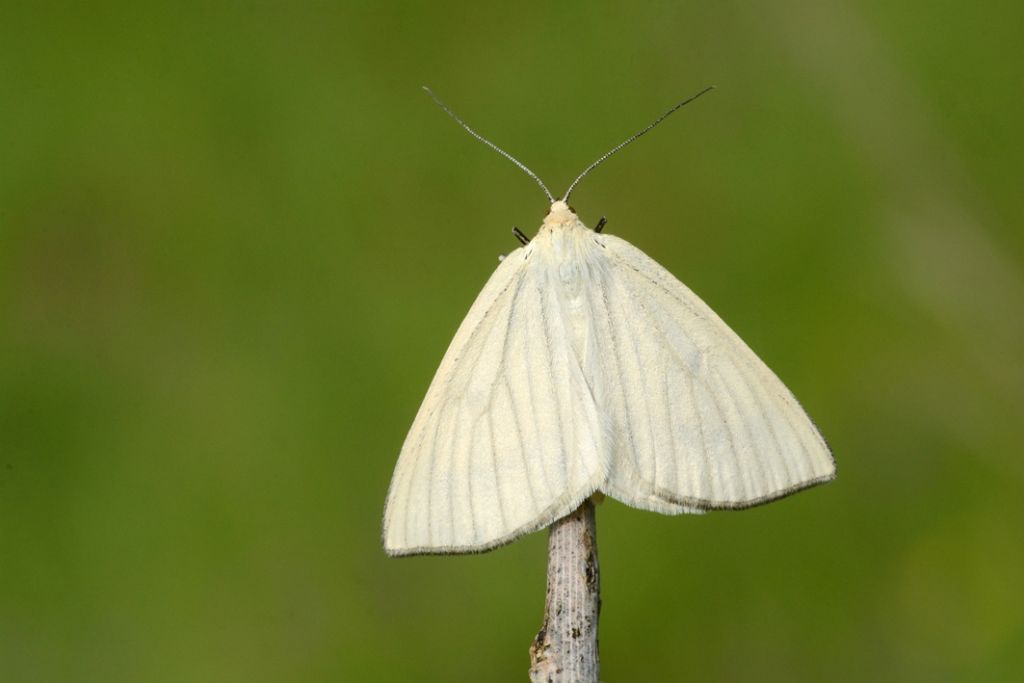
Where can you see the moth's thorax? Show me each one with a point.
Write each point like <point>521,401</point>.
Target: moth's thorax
<point>561,217</point>
<point>568,261</point>
<point>562,240</point>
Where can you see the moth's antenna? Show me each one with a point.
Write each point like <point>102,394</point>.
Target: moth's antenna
<point>490,144</point>
<point>615,149</point>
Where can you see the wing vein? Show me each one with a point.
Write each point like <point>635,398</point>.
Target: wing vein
<point>731,438</point>
<point>519,442</point>
<point>780,455</point>
<point>752,443</point>
<point>429,483</point>
<point>549,353</point>
<point>704,452</point>
<point>532,407</point>
<point>469,478</point>
<point>494,468</point>
<point>642,381</point>
<point>619,375</point>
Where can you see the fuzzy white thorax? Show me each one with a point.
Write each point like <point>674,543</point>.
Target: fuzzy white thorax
<point>561,216</point>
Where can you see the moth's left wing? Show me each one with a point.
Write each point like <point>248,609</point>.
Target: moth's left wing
<point>508,437</point>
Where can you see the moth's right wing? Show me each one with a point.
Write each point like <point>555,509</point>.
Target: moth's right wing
<point>702,422</point>
<point>507,438</point>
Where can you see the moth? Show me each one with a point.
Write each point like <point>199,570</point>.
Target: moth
<point>584,367</point>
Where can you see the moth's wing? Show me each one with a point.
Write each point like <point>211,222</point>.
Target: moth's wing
<point>700,421</point>
<point>508,438</point>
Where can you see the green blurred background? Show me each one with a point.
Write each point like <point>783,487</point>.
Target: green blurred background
<point>236,239</point>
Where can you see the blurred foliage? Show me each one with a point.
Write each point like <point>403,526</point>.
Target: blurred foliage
<point>236,238</point>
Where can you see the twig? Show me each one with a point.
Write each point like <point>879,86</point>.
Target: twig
<point>565,649</point>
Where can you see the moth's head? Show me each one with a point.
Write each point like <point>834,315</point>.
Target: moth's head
<point>560,216</point>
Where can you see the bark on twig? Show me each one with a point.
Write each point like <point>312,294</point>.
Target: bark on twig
<point>565,649</point>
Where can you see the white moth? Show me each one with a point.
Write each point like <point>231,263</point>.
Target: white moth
<point>584,366</point>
